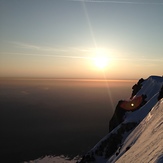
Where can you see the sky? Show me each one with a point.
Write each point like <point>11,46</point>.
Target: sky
<point>111,39</point>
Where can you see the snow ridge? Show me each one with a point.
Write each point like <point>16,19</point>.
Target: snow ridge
<point>139,138</point>
<point>145,143</point>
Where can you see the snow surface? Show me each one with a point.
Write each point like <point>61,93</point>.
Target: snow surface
<point>144,144</point>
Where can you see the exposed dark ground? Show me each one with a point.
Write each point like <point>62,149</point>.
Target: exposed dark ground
<point>55,117</point>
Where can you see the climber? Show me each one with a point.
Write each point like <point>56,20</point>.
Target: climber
<point>132,104</point>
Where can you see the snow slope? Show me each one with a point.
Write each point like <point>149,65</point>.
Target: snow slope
<point>139,138</point>
<point>145,143</point>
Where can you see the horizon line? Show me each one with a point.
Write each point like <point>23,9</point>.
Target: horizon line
<point>66,79</point>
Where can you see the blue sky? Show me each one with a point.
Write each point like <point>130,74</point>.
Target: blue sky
<point>61,38</point>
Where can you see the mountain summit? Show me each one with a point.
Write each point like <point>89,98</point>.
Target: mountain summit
<point>136,128</point>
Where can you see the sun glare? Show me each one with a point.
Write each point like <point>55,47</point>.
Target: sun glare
<point>100,62</point>
<point>100,59</point>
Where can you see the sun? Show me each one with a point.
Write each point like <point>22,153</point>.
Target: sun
<point>101,60</point>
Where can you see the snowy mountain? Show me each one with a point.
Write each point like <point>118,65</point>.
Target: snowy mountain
<point>136,128</point>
